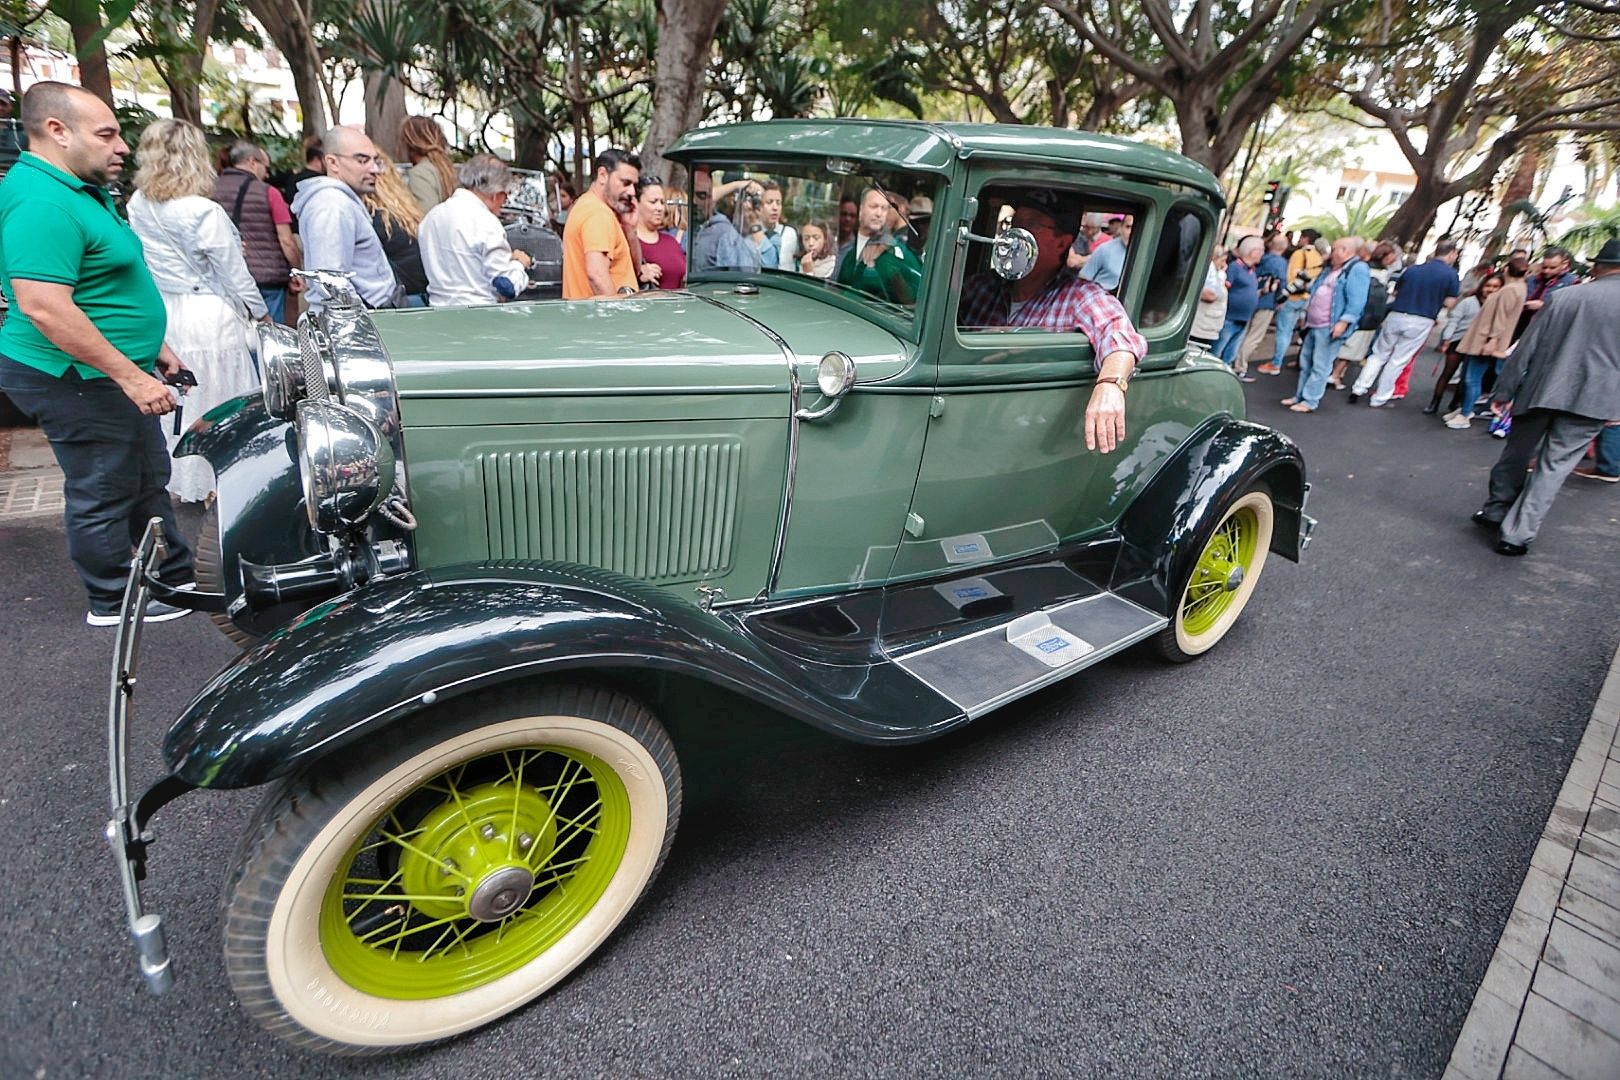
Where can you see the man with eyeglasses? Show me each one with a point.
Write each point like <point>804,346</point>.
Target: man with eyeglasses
<point>1055,298</point>
<point>336,226</point>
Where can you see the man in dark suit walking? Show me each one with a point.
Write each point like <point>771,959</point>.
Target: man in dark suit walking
<point>1564,382</point>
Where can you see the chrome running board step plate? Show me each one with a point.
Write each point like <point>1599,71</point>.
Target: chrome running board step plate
<point>988,668</point>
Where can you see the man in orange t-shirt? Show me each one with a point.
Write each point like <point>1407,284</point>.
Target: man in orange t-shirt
<point>596,253</point>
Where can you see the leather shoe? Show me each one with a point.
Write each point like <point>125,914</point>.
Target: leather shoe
<point>1484,522</point>
<point>1505,547</point>
<point>1353,398</point>
<point>1430,410</point>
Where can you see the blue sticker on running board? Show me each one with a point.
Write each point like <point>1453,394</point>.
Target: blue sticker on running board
<point>1052,645</point>
<point>973,592</point>
<point>965,549</point>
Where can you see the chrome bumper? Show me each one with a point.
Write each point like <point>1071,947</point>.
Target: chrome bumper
<point>127,830</point>
<point>1307,524</point>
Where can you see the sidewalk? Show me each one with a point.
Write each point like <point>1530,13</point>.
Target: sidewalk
<point>1549,1005</point>
<point>30,482</point>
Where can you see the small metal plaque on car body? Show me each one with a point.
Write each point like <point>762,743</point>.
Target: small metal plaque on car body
<point>967,548</point>
<point>1038,636</point>
<point>967,591</point>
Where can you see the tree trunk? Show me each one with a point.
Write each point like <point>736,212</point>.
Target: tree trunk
<point>84,20</point>
<point>385,111</point>
<point>184,80</point>
<point>290,25</point>
<point>1519,188</point>
<point>1415,217</point>
<point>685,33</point>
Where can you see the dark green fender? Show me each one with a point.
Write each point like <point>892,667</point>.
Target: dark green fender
<point>348,668</point>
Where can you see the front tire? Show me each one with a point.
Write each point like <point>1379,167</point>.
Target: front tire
<point>1221,580</point>
<point>455,876</point>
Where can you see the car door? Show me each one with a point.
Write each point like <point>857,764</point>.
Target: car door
<point>1005,470</point>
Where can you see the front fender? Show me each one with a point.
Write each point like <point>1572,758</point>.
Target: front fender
<point>1165,524</point>
<point>260,502</point>
<point>347,669</point>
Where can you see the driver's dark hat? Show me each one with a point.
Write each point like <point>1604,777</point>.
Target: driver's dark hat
<point>1608,254</point>
<point>1063,214</point>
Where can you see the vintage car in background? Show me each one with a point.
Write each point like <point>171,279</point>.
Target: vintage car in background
<point>478,556</point>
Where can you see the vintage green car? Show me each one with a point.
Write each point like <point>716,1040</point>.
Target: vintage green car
<point>476,555</point>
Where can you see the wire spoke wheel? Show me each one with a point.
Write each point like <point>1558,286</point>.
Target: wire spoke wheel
<point>413,897</point>
<point>1222,578</point>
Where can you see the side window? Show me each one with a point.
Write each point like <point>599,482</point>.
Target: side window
<point>1078,236</point>
<point>1174,264</point>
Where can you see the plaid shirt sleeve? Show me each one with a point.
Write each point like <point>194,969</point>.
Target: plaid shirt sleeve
<point>1069,304</point>
<point>1099,315</point>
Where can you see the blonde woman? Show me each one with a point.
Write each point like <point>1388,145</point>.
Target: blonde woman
<point>195,256</point>
<point>430,177</point>
<point>397,216</point>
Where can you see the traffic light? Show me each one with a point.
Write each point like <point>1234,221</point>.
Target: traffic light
<point>1276,195</point>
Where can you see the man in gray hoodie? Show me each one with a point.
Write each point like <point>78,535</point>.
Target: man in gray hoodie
<point>336,226</point>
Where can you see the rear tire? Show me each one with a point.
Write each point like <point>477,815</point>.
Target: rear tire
<point>452,874</point>
<point>209,564</point>
<point>1207,601</point>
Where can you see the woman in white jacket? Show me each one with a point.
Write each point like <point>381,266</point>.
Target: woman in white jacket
<point>195,256</point>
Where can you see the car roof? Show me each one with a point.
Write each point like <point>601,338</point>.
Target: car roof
<point>916,144</point>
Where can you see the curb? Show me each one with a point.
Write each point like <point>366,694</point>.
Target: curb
<point>1549,1005</point>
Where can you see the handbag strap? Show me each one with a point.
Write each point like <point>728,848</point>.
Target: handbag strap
<point>241,194</point>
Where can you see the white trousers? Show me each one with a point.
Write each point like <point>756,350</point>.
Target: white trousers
<point>1399,339</point>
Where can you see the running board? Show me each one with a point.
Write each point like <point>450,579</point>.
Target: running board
<point>988,668</point>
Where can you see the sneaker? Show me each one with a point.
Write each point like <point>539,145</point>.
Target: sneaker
<point>1269,369</point>
<point>1458,423</point>
<point>1591,473</point>
<point>156,611</point>
<point>1247,378</point>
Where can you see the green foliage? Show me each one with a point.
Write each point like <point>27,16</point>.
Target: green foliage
<point>1366,218</point>
<point>1598,225</point>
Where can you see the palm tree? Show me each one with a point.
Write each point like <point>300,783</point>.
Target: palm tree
<point>1361,219</point>
<point>1599,224</point>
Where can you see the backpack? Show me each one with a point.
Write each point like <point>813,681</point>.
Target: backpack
<point>1372,316</point>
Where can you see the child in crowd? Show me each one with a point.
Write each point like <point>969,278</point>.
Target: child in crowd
<point>819,258</point>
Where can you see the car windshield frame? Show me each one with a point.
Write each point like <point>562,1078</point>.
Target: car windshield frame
<point>800,175</point>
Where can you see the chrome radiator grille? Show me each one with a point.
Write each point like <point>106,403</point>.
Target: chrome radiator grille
<point>309,354</point>
<point>661,511</point>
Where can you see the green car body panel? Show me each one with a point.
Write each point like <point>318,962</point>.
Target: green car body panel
<point>655,437</point>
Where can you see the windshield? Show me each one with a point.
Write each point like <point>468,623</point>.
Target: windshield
<point>854,228</point>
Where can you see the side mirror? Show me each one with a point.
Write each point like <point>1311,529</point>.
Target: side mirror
<point>1012,254</point>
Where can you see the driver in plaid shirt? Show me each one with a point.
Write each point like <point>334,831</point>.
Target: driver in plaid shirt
<point>1054,298</point>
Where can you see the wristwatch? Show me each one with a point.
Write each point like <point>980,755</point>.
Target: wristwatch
<point>1120,381</point>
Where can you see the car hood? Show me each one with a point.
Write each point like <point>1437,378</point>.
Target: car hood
<point>653,342</point>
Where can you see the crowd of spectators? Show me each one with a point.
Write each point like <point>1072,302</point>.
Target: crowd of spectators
<point>216,246</point>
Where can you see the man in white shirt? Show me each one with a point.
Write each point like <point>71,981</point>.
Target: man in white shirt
<point>464,247</point>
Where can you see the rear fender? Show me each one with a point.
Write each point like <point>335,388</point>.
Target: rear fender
<point>1164,528</point>
<point>347,670</point>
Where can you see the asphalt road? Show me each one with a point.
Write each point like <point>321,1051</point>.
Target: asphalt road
<point>1291,858</point>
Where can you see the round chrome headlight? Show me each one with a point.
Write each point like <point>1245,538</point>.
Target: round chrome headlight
<point>346,465</point>
<point>835,375</point>
<point>283,370</point>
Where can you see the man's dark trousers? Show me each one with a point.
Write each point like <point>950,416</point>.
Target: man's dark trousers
<point>117,467</point>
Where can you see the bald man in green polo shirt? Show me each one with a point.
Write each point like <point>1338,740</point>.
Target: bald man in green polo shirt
<point>81,347</point>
